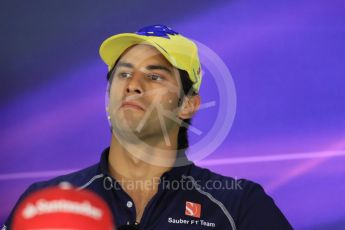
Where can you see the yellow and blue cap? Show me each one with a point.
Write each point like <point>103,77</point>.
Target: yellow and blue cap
<point>180,51</point>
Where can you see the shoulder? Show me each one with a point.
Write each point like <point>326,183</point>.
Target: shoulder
<point>76,179</point>
<point>232,192</point>
<point>216,181</point>
<point>246,200</point>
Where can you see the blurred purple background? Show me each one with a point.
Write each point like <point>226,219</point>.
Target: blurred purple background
<point>287,60</point>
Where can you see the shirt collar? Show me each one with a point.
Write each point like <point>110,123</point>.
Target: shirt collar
<point>104,162</point>
<point>174,173</point>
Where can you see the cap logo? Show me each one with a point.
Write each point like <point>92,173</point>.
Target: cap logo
<point>157,30</point>
<point>199,70</point>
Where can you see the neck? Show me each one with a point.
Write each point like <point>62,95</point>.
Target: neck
<point>137,161</point>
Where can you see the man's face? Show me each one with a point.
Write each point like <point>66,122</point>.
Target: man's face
<point>144,92</point>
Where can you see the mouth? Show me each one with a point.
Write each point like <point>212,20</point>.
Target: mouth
<point>132,105</point>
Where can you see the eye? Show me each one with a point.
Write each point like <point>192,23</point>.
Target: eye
<point>124,75</point>
<point>155,77</point>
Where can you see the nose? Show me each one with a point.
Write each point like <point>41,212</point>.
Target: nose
<point>134,85</point>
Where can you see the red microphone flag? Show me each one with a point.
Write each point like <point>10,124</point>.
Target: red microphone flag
<point>63,208</point>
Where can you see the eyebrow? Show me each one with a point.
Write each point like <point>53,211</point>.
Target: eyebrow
<point>159,67</point>
<point>124,64</point>
<point>149,67</point>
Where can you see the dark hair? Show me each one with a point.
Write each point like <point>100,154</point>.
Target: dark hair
<point>187,90</point>
<point>187,84</point>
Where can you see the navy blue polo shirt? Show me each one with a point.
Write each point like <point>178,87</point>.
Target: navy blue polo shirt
<point>188,197</point>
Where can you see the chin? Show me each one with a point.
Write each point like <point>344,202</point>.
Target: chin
<point>129,127</point>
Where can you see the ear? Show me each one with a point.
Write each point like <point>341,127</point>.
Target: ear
<point>189,106</point>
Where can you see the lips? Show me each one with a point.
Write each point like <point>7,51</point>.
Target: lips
<point>131,104</point>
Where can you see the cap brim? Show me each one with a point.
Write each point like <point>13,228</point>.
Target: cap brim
<point>112,48</point>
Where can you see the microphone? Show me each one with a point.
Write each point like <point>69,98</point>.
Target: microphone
<point>63,208</point>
